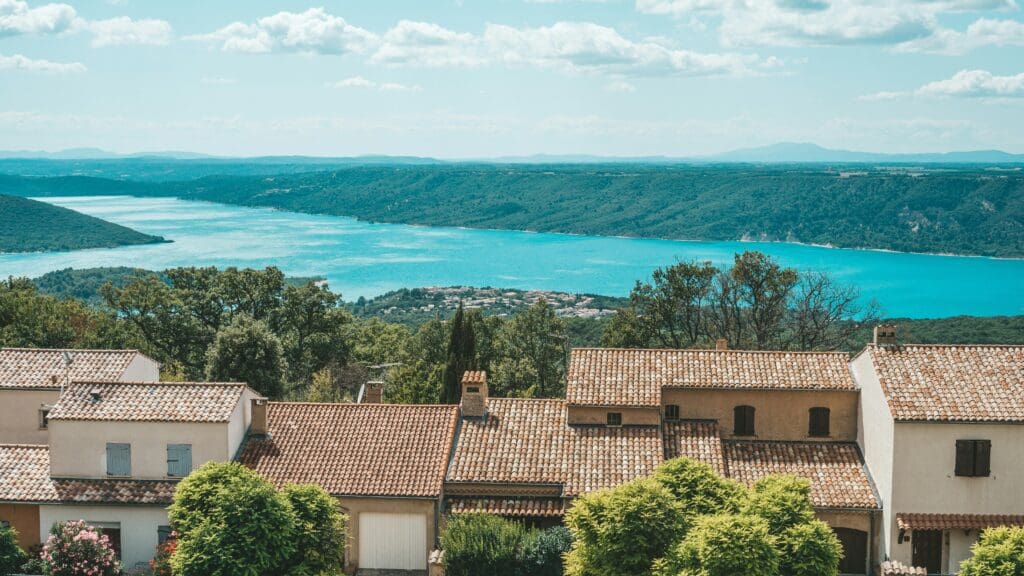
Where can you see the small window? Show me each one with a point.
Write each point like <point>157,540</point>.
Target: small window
<point>179,460</point>
<point>744,421</point>
<point>819,422</point>
<point>119,459</point>
<point>672,412</point>
<point>44,418</point>
<point>973,458</point>
<point>472,389</point>
<point>615,418</point>
<point>163,534</point>
<point>5,524</point>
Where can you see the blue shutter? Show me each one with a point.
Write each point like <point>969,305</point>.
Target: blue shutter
<point>179,460</point>
<point>119,459</point>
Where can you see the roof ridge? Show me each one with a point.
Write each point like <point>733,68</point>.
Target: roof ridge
<point>792,442</point>
<point>872,345</point>
<point>678,350</point>
<point>340,404</point>
<point>34,446</point>
<point>155,382</point>
<point>104,350</point>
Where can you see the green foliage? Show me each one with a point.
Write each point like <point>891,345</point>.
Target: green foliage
<point>84,284</point>
<point>247,351</point>
<point>544,550</point>
<point>698,488</point>
<point>77,549</point>
<point>782,500</point>
<point>33,226</point>
<point>476,544</point>
<point>809,549</point>
<point>723,545</point>
<point>230,521</point>
<point>531,348</point>
<point>319,535</point>
<point>622,531</point>
<point>461,356</point>
<point>999,552</point>
<point>11,555</point>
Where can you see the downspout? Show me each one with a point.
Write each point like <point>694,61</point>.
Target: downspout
<point>871,543</point>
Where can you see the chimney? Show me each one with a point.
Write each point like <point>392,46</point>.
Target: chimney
<point>258,427</point>
<point>885,335</point>
<point>474,394</point>
<point>96,394</point>
<point>373,392</point>
<point>721,344</point>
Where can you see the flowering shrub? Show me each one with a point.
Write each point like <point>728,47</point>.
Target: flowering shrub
<point>161,565</point>
<point>77,549</point>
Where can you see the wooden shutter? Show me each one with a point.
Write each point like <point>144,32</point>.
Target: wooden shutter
<point>179,460</point>
<point>965,458</point>
<point>119,459</point>
<point>744,421</point>
<point>982,457</point>
<point>819,422</point>
<point>672,412</point>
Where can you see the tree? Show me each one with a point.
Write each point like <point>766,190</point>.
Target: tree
<point>476,544</point>
<point>698,488</point>
<point>764,288</point>
<point>246,351</point>
<point>622,531</point>
<point>309,323</point>
<point>319,535</point>
<point>229,520</point>
<point>11,555</point>
<point>461,356</point>
<point>77,549</point>
<point>782,500</point>
<point>531,351</point>
<point>826,315</point>
<point>673,311</point>
<point>723,545</point>
<point>544,550</point>
<point>999,552</point>
<point>809,549</point>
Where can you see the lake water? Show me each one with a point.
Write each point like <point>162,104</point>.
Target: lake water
<point>363,259</point>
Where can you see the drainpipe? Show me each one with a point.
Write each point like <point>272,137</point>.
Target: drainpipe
<point>871,543</point>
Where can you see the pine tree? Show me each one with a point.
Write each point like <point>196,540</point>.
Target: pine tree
<point>461,356</point>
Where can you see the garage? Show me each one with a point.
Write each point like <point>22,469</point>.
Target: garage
<point>392,541</point>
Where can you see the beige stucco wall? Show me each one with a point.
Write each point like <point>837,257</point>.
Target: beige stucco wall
<point>355,506</point>
<point>864,521</point>
<point>78,449</point>
<point>779,414</point>
<point>25,519</point>
<point>19,415</point>
<point>599,415</point>
<point>141,369</point>
<point>138,526</point>
<point>241,418</point>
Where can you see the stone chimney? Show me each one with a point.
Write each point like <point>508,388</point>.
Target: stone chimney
<point>721,344</point>
<point>474,394</point>
<point>373,392</point>
<point>885,335</point>
<point>258,427</point>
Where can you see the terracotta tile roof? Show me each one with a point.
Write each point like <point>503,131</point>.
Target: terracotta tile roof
<point>527,441</point>
<point>626,377</point>
<point>836,470</point>
<point>25,477</point>
<point>956,521</point>
<point>355,449</point>
<point>509,507</point>
<point>148,401</point>
<point>44,368</point>
<point>475,377</point>
<point>952,383</point>
<point>696,439</point>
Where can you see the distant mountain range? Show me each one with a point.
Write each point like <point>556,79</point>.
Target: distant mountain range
<point>781,153</point>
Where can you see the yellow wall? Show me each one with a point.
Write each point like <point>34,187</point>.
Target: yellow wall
<point>355,506</point>
<point>19,415</point>
<point>599,415</point>
<point>779,414</point>
<point>25,519</point>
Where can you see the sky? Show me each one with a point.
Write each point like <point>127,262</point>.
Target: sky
<point>476,78</point>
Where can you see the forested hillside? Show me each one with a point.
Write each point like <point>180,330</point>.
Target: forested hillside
<point>948,210</point>
<point>33,226</point>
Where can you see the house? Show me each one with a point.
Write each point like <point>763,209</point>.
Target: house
<point>31,381</point>
<point>942,428</point>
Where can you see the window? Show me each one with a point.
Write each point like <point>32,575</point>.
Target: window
<point>44,418</point>
<point>615,418</point>
<point>119,459</point>
<point>819,422</point>
<point>973,457</point>
<point>744,421</point>
<point>672,412</point>
<point>472,390</point>
<point>179,460</point>
<point>163,534</point>
<point>5,524</point>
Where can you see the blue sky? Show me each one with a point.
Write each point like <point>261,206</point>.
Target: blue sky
<point>475,78</point>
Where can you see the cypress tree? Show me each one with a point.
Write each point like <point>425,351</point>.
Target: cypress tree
<point>461,356</point>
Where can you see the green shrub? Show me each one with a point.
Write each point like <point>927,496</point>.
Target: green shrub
<point>543,552</point>
<point>35,565</point>
<point>77,549</point>
<point>699,488</point>
<point>783,501</point>
<point>809,549</point>
<point>724,545</point>
<point>620,532</point>
<point>319,532</point>
<point>476,544</point>
<point>11,555</point>
<point>999,552</point>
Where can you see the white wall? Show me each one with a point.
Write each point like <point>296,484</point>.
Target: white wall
<point>241,418</point>
<point>876,437</point>
<point>142,369</point>
<point>138,526</point>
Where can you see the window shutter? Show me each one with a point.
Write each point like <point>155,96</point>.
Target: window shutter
<point>119,459</point>
<point>965,458</point>
<point>179,460</point>
<point>982,457</point>
<point>672,412</point>
<point>819,422</point>
<point>744,421</point>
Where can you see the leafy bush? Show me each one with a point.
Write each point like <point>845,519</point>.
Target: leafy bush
<point>77,549</point>
<point>543,551</point>
<point>160,565</point>
<point>810,549</point>
<point>11,555</point>
<point>999,552</point>
<point>782,500</point>
<point>620,532</point>
<point>699,488</point>
<point>319,532</point>
<point>477,544</point>
<point>229,520</point>
<point>724,545</point>
<point>35,565</point>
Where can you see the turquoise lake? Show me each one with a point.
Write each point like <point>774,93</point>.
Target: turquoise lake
<point>363,259</point>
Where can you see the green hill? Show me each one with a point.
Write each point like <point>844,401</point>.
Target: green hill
<point>33,226</point>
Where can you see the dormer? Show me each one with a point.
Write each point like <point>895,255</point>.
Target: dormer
<point>474,394</point>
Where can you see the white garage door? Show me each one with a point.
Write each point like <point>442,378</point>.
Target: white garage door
<point>393,541</point>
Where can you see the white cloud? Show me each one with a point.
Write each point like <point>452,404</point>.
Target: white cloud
<point>16,17</point>
<point>20,62</point>
<point>124,30</point>
<point>620,86</point>
<point>360,82</point>
<point>312,31</point>
<point>982,32</point>
<point>882,96</point>
<point>976,84</point>
<point>425,44</point>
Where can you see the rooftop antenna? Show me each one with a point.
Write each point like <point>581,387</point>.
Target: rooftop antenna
<point>69,359</point>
